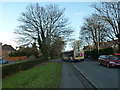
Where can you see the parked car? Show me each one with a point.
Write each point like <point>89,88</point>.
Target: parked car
<point>109,60</point>
<point>3,61</point>
<point>0,58</point>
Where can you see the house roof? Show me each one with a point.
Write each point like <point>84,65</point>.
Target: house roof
<point>8,47</point>
<point>102,45</point>
<point>108,44</point>
<point>86,47</point>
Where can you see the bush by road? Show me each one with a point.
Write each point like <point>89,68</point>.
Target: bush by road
<point>12,68</point>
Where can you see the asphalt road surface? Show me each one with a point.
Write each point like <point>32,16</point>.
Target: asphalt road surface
<point>13,62</point>
<point>102,76</point>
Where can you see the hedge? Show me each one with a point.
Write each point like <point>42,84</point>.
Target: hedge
<point>9,69</point>
<point>94,53</point>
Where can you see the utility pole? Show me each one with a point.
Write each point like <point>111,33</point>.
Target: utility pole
<point>98,37</point>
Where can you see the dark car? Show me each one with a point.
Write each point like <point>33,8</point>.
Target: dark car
<point>3,61</point>
<point>109,60</point>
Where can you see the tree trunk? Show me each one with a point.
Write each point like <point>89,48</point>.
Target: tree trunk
<point>44,50</point>
<point>118,36</point>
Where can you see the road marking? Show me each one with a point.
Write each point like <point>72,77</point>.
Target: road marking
<point>88,80</point>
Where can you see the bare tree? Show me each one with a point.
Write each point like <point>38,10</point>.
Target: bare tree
<point>76,44</point>
<point>43,24</point>
<point>57,47</point>
<point>93,30</point>
<point>109,12</point>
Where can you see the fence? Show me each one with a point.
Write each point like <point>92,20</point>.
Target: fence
<point>15,58</point>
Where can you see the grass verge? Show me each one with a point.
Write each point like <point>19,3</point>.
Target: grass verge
<point>43,76</point>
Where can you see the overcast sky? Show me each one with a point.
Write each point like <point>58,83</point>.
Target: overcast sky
<point>10,12</point>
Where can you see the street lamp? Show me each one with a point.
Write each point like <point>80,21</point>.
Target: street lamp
<point>98,37</point>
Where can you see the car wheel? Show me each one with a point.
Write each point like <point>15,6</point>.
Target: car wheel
<point>100,63</point>
<point>108,65</point>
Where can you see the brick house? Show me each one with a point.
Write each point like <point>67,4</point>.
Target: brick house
<point>87,48</point>
<point>108,44</point>
<point>103,45</point>
<point>6,49</point>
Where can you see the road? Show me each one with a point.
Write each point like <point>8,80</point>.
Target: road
<point>100,75</point>
<point>13,62</point>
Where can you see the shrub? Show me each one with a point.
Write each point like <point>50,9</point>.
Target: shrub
<point>94,53</point>
<point>24,65</point>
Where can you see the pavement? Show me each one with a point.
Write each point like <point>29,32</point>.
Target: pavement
<point>69,77</point>
<point>56,60</point>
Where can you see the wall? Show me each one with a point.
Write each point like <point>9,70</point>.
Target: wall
<point>4,53</point>
<point>15,58</point>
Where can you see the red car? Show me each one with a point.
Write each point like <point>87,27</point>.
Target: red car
<point>109,60</point>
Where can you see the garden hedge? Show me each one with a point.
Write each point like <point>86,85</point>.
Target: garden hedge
<point>94,53</point>
<point>24,65</point>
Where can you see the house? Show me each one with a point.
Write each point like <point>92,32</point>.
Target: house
<point>102,45</point>
<point>87,48</point>
<point>108,44</point>
<point>6,49</point>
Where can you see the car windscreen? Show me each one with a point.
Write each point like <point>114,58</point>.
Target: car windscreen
<point>113,58</point>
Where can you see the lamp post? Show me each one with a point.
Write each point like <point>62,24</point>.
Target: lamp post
<point>98,47</point>
<point>98,38</point>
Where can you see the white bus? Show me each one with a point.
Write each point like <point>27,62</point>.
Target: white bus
<point>73,55</point>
